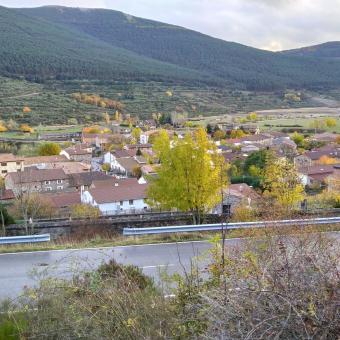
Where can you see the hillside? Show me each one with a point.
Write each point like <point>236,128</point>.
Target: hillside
<point>38,49</point>
<point>239,64</point>
<point>330,50</point>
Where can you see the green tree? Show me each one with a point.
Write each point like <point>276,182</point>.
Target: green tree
<point>137,172</point>
<point>106,167</point>
<point>209,129</point>
<point>191,174</point>
<point>49,149</point>
<point>298,139</point>
<point>219,134</point>
<point>237,133</point>
<point>252,116</point>
<point>136,132</point>
<point>258,159</point>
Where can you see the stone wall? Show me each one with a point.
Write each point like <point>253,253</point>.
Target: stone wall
<point>65,227</point>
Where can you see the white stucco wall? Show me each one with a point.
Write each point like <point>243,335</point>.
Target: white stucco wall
<point>114,207</point>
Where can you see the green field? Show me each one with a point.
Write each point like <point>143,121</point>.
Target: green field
<point>305,123</point>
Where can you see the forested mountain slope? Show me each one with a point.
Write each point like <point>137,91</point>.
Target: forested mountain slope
<point>104,44</point>
<point>38,49</point>
<point>330,50</point>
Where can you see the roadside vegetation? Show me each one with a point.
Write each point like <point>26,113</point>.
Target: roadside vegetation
<point>94,238</point>
<point>278,285</point>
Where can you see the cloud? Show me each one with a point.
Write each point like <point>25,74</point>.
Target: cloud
<point>269,24</point>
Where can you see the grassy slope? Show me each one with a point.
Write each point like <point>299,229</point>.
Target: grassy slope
<point>252,67</point>
<point>52,104</point>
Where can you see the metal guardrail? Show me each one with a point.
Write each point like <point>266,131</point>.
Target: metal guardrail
<point>25,239</point>
<point>229,226</point>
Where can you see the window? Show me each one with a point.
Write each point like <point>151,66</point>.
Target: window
<point>121,202</point>
<point>3,164</point>
<point>4,171</point>
<point>48,189</point>
<point>18,163</point>
<point>131,202</point>
<point>59,187</point>
<point>47,182</point>
<point>59,181</point>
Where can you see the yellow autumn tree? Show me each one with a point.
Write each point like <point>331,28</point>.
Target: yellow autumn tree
<point>106,117</point>
<point>26,128</point>
<point>136,132</point>
<point>3,127</point>
<point>118,116</point>
<point>237,133</point>
<point>283,184</point>
<point>252,116</point>
<point>330,122</point>
<point>26,109</point>
<point>326,160</point>
<point>191,174</point>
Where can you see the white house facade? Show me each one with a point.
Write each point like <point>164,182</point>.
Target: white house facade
<point>121,196</point>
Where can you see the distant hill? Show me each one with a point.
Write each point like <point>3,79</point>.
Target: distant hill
<point>38,49</point>
<point>329,50</point>
<point>100,44</point>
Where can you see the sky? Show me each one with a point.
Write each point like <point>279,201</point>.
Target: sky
<point>267,24</point>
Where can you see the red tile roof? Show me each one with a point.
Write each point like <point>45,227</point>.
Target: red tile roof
<point>32,175</point>
<point>63,199</point>
<point>9,157</point>
<point>120,190</point>
<point>6,194</point>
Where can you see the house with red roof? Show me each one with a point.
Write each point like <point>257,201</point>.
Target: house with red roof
<point>117,196</point>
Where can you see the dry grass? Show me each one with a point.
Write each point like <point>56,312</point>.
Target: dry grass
<point>100,239</point>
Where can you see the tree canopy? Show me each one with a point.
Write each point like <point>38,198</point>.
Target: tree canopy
<point>49,149</point>
<point>191,174</point>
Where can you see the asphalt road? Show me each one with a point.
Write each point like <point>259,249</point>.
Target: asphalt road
<point>18,270</point>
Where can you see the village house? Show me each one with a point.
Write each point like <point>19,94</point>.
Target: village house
<point>43,161</point>
<point>250,148</point>
<point>99,140</point>
<point>6,196</point>
<point>10,163</point>
<point>78,153</point>
<point>149,169</point>
<point>35,180</point>
<point>260,139</point>
<point>236,195</point>
<point>314,156</point>
<point>302,161</point>
<point>316,175</point>
<point>84,180</point>
<point>325,137</point>
<point>62,202</point>
<point>125,165</point>
<point>117,196</point>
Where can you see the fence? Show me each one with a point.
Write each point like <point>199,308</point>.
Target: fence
<point>25,239</point>
<point>229,226</point>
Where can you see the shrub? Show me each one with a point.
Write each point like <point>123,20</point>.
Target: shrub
<point>85,211</point>
<point>113,302</point>
<point>49,149</point>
